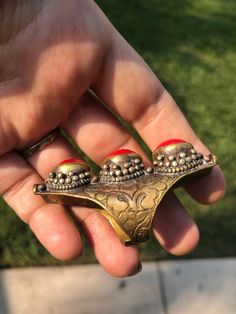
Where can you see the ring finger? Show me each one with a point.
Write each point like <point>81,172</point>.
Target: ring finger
<point>99,232</point>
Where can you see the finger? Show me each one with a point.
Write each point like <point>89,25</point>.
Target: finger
<point>91,118</point>
<point>174,228</point>
<point>116,259</point>
<point>214,187</point>
<point>46,160</point>
<point>51,224</point>
<point>127,85</point>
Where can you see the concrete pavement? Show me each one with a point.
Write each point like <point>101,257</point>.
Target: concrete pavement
<point>206,286</point>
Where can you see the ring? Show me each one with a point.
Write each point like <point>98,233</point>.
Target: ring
<point>126,192</point>
<point>40,145</point>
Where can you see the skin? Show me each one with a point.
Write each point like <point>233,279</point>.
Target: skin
<point>50,54</point>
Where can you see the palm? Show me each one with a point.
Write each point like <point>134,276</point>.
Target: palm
<point>48,66</point>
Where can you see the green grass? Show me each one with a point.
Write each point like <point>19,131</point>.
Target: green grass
<point>191,46</point>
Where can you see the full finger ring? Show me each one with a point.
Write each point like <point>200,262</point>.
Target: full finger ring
<point>126,192</point>
<point>29,151</point>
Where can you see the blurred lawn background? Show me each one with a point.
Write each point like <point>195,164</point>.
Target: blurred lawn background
<point>191,46</point>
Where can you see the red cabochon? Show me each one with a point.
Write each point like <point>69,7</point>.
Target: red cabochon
<point>170,142</point>
<point>121,152</point>
<point>71,160</point>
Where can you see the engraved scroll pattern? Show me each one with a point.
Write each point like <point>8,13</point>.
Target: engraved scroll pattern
<point>133,204</point>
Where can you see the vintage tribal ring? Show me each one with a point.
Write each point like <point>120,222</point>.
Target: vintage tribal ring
<point>48,139</point>
<point>126,192</point>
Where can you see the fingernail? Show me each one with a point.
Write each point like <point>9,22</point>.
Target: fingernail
<point>137,270</point>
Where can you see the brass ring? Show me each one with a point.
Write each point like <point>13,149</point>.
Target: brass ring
<point>126,192</point>
<point>40,145</point>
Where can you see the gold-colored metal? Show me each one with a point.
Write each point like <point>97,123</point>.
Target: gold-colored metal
<point>40,145</point>
<point>130,205</point>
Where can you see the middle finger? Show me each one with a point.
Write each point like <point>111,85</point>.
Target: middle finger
<point>90,118</point>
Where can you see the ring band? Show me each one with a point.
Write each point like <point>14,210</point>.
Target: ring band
<point>40,145</point>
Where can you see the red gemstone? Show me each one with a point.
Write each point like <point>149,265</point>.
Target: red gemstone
<point>121,152</point>
<point>170,142</point>
<point>71,160</point>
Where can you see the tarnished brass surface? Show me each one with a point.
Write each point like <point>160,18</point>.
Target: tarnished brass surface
<point>129,205</point>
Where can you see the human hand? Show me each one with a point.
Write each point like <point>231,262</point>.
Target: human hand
<point>50,55</point>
